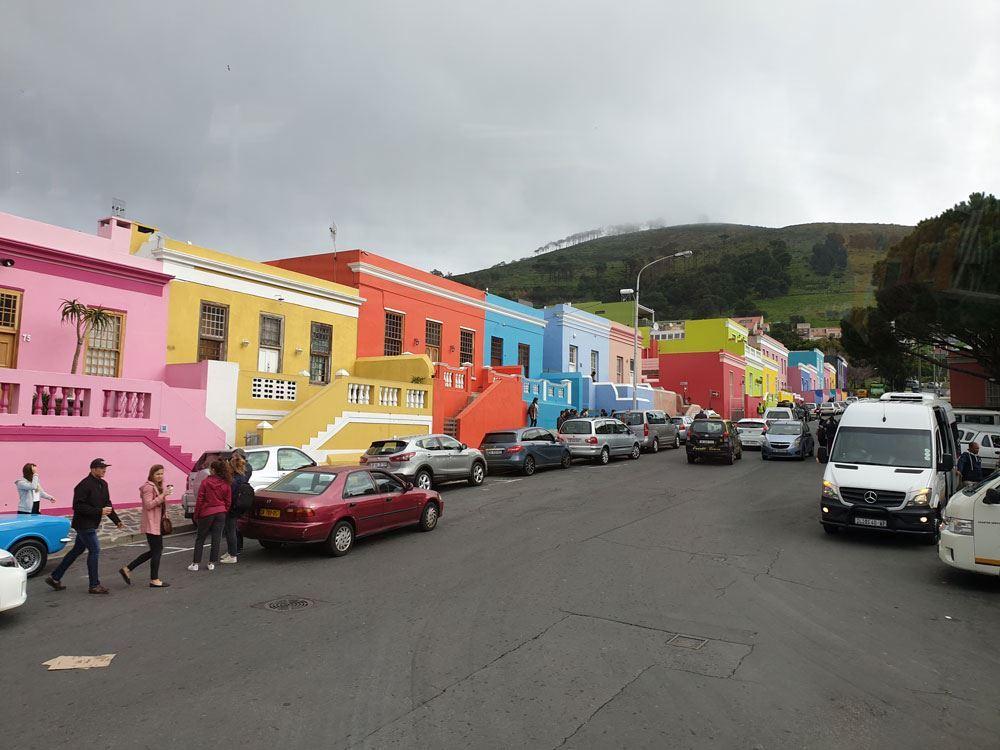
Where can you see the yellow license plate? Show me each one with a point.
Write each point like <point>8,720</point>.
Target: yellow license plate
<point>269,513</point>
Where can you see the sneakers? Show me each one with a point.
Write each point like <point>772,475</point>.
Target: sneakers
<point>193,567</point>
<point>211,566</point>
<point>228,559</point>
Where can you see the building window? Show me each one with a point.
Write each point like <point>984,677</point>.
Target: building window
<point>10,318</point>
<point>496,351</point>
<point>620,369</point>
<point>466,346</point>
<point>574,358</point>
<point>594,363</point>
<point>631,367</point>
<point>393,333</point>
<point>213,328</point>
<point>432,340</point>
<point>104,348</point>
<point>320,345</point>
<point>730,384</point>
<point>271,339</point>
<point>524,358</point>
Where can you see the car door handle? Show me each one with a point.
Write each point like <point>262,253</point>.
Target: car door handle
<point>388,499</point>
<point>351,505</point>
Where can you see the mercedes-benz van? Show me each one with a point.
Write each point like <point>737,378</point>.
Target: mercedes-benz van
<point>891,466</point>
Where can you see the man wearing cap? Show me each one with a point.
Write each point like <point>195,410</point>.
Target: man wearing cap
<point>91,502</point>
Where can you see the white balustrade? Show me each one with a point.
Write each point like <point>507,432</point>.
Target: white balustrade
<point>388,396</point>
<point>460,379</point>
<point>416,399</point>
<point>359,393</point>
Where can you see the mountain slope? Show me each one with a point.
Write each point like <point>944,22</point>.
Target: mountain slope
<point>736,270</point>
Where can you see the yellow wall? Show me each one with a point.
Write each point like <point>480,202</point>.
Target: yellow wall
<point>707,335</point>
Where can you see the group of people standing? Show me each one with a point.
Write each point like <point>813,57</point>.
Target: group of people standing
<point>222,498</point>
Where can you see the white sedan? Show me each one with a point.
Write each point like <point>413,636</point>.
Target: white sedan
<point>751,432</point>
<point>13,582</point>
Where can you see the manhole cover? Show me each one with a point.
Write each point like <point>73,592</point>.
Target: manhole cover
<point>687,641</point>
<point>287,604</point>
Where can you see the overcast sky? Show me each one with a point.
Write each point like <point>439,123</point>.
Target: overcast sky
<point>455,135</point>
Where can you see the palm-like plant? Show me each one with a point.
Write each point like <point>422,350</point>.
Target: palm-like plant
<point>85,319</point>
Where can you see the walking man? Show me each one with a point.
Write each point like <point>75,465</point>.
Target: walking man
<point>533,413</point>
<point>91,503</point>
<point>970,466</point>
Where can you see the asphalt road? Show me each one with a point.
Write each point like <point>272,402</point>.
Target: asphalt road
<point>644,604</point>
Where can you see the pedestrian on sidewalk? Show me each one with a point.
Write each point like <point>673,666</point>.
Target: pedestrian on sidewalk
<point>533,412</point>
<point>242,500</point>
<point>91,503</point>
<point>30,492</point>
<point>215,495</point>
<point>154,506</point>
<point>970,465</point>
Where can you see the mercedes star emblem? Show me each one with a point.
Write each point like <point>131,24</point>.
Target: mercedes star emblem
<point>871,497</point>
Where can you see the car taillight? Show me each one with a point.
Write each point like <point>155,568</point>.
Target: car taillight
<point>295,513</point>
<point>645,430</point>
<point>725,436</point>
<point>515,449</point>
<point>592,440</point>
<point>401,457</point>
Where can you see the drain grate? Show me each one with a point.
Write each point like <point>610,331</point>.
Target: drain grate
<point>687,641</point>
<point>287,604</point>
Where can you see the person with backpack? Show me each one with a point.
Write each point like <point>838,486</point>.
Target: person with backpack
<point>243,496</point>
<point>215,496</point>
<point>154,505</point>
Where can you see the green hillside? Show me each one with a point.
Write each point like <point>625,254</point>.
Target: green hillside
<point>735,270</point>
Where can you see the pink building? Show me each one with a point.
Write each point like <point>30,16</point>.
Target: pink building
<point>776,352</point>
<point>124,404</point>
<point>621,342</point>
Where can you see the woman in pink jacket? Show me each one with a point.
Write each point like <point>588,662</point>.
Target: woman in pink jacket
<point>154,503</point>
<point>214,498</point>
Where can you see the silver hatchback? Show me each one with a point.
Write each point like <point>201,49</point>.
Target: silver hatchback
<point>427,460</point>
<point>599,439</point>
<point>653,429</point>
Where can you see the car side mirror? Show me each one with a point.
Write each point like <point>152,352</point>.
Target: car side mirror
<point>465,447</point>
<point>823,454</point>
<point>947,462</point>
<point>407,486</point>
<point>992,496</point>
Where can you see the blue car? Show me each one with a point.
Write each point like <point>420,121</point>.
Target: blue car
<point>524,449</point>
<point>787,438</point>
<point>31,539</point>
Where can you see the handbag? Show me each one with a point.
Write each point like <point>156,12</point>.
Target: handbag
<point>166,525</point>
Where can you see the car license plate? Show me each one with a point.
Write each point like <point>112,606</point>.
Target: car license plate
<point>877,522</point>
<point>269,513</point>
<point>379,464</point>
<point>494,451</point>
<point>706,442</point>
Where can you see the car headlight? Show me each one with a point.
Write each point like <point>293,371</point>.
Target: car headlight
<point>921,497</point>
<point>830,490</point>
<point>958,526</point>
<point>7,560</point>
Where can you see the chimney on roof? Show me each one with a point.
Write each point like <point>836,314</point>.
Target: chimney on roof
<point>118,230</point>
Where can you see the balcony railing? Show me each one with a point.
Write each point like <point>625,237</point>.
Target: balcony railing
<point>547,391</point>
<point>35,396</point>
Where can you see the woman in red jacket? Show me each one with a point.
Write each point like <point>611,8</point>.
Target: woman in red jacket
<point>214,499</point>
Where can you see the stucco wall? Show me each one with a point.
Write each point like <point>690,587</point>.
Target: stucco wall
<point>514,330</point>
<point>566,326</point>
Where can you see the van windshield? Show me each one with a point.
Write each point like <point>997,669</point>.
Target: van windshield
<point>883,447</point>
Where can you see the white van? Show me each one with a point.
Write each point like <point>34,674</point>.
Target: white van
<point>890,466</point>
<point>970,534</point>
<point>977,417</point>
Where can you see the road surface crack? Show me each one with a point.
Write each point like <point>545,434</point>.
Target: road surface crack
<point>597,710</point>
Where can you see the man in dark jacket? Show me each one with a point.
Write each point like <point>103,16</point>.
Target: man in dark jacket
<point>91,503</point>
<point>970,466</point>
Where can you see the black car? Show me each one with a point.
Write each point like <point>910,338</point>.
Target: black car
<point>523,450</point>
<point>713,438</point>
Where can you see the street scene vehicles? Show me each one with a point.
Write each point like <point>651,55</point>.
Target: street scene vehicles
<point>970,529</point>
<point>13,582</point>
<point>524,450</point>
<point>682,424</point>
<point>32,538</point>
<point>714,438</point>
<point>427,460</point>
<point>751,432</point>
<point>787,439</point>
<point>988,439</point>
<point>599,439</point>
<point>654,429</point>
<point>978,417</point>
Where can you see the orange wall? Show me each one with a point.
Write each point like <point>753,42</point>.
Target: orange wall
<point>498,407</point>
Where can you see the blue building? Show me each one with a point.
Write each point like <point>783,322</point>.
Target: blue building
<point>811,357</point>
<point>841,365</point>
<point>515,335</point>
<point>576,342</point>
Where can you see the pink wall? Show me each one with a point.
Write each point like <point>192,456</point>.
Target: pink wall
<point>620,345</point>
<point>52,263</point>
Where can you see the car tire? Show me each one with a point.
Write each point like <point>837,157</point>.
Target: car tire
<point>31,555</point>
<point>690,459</point>
<point>268,544</point>
<point>605,456</point>
<point>655,447</point>
<point>731,458</point>
<point>739,456</point>
<point>478,474</point>
<point>677,442</point>
<point>529,466</point>
<point>429,517</point>
<point>341,539</point>
<point>423,480</point>
<point>567,460</point>
<point>830,529</point>
<point>636,452</point>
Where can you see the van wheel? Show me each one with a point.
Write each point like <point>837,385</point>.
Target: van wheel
<point>529,466</point>
<point>830,529</point>
<point>655,447</point>
<point>604,457</point>
<point>341,539</point>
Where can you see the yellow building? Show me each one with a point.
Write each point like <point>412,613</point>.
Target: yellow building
<point>282,348</point>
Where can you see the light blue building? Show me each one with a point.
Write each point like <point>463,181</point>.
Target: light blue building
<point>576,342</point>
<point>515,335</point>
<point>811,357</point>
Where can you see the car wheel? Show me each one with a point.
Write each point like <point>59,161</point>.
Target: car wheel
<point>655,447</point>
<point>690,459</point>
<point>30,555</point>
<point>423,480</point>
<point>267,544</point>
<point>731,458</point>
<point>567,460</point>
<point>605,456</point>
<point>739,456</point>
<point>636,452</point>
<point>341,539</point>
<point>677,442</point>
<point>478,474</point>
<point>830,529</point>
<point>429,518</point>
<point>529,466</point>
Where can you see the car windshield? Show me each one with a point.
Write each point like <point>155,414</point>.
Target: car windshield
<point>883,447</point>
<point>576,427</point>
<point>631,417</point>
<point>677,420</point>
<point>304,482</point>
<point>385,447</point>
<point>708,428</point>
<point>257,460</point>
<point>779,414</point>
<point>492,438</point>
<point>751,425</point>
<point>785,429</point>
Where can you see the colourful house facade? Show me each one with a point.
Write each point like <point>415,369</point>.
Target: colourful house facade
<point>125,403</point>
<point>840,366</point>
<point>514,335</point>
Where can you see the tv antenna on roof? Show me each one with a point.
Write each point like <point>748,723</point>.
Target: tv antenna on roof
<point>333,234</point>
<point>118,208</point>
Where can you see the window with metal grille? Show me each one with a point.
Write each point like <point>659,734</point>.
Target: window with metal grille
<point>466,346</point>
<point>432,340</point>
<point>496,351</point>
<point>393,333</point>
<point>269,351</point>
<point>104,349</point>
<point>320,345</point>
<point>213,327</point>
<point>524,358</point>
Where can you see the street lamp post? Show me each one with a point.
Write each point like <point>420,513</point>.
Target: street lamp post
<point>635,329</point>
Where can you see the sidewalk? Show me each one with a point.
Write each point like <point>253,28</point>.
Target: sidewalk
<point>110,536</point>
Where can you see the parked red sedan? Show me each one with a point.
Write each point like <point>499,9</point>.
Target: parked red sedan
<point>334,505</point>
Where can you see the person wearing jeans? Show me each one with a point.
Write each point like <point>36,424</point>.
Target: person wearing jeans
<point>154,502</point>
<point>242,471</point>
<point>91,503</point>
<point>214,499</point>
